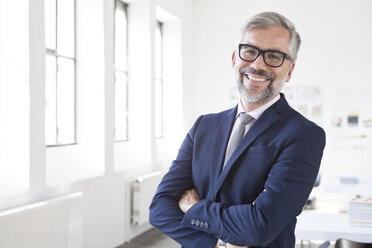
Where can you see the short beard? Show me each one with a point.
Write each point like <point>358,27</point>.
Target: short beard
<point>272,90</point>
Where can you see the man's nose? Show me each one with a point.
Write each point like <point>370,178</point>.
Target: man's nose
<point>259,63</point>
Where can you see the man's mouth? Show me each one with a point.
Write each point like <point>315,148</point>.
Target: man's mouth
<point>255,78</point>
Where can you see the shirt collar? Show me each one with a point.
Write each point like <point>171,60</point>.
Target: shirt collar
<point>256,113</point>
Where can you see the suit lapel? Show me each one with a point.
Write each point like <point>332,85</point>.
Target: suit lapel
<point>268,118</point>
<point>221,141</point>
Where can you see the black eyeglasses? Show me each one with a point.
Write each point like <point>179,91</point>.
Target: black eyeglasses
<point>272,58</point>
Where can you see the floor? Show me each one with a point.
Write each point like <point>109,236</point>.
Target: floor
<point>151,239</point>
<point>156,239</point>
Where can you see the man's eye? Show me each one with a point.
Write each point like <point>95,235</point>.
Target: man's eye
<point>274,56</point>
<point>250,52</point>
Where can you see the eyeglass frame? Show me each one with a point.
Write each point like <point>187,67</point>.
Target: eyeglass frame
<point>263,52</point>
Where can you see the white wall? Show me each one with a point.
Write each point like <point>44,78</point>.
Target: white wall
<point>327,28</point>
<point>105,193</point>
<point>106,199</point>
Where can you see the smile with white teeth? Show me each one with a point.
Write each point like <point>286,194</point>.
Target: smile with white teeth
<point>257,79</point>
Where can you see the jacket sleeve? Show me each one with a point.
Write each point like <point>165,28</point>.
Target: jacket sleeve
<point>287,188</point>
<point>164,211</point>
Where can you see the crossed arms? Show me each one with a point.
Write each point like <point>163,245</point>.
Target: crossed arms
<point>287,187</point>
<point>189,199</point>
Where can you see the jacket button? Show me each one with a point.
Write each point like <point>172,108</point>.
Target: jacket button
<point>206,225</point>
<point>197,223</point>
<point>193,222</point>
<point>202,224</point>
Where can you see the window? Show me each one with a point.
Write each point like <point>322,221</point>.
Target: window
<point>120,72</point>
<point>159,80</point>
<point>14,97</point>
<point>60,72</point>
<point>167,87</point>
<point>84,159</point>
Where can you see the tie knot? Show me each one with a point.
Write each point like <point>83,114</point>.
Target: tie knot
<point>245,118</point>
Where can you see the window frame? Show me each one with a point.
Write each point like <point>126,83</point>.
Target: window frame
<point>124,7</point>
<point>159,26</point>
<point>56,55</point>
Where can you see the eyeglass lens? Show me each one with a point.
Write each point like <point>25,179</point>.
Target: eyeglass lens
<point>271,58</point>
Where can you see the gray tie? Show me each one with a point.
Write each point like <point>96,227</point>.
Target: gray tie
<point>237,134</point>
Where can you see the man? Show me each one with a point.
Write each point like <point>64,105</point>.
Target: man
<point>221,190</point>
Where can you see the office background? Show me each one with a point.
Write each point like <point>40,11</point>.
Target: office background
<point>330,85</point>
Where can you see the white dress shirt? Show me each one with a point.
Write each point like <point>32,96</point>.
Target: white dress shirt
<point>256,113</point>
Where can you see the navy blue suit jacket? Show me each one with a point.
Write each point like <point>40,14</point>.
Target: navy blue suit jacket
<point>255,199</point>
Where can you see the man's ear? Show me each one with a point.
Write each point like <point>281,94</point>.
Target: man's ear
<point>290,72</point>
<point>233,58</point>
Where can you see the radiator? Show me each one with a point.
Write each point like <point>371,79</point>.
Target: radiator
<point>142,190</point>
<point>55,222</point>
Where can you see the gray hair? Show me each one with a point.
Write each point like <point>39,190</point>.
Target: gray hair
<point>270,19</point>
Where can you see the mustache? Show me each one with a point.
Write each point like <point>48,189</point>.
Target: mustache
<point>257,72</point>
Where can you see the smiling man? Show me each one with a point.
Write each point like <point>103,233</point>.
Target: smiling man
<point>243,175</point>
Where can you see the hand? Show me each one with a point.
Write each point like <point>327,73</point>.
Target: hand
<point>188,199</point>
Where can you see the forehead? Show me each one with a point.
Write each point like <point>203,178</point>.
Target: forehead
<point>275,37</point>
